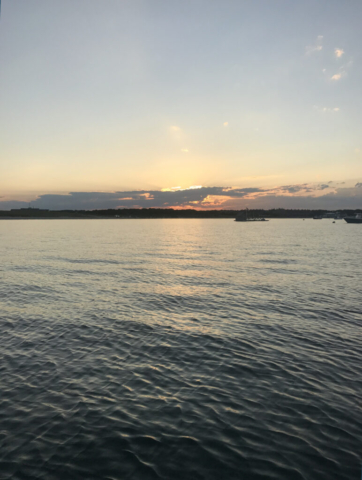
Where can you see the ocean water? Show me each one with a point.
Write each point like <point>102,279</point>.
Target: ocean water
<point>180,349</point>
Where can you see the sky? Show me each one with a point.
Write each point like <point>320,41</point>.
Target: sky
<point>192,103</point>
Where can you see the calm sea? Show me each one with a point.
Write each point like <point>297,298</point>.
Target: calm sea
<point>180,349</point>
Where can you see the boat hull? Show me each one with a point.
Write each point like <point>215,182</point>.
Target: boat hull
<point>353,220</point>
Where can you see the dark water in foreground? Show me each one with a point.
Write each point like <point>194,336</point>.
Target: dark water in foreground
<point>180,349</point>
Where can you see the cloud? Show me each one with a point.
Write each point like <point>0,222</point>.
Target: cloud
<point>317,47</point>
<point>342,71</point>
<point>173,197</point>
<point>338,52</point>
<point>226,124</point>
<point>175,128</point>
<point>322,195</point>
<point>312,49</point>
<point>184,150</point>
<point>291,188</point>
<point>240,192</point>
<point>357,150</point>
<point>337,76</point>
<point>326,109</point>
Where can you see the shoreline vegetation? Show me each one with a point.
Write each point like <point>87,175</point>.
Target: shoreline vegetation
<point>149,213</point>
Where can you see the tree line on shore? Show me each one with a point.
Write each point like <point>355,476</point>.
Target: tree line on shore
<point>167,213</point>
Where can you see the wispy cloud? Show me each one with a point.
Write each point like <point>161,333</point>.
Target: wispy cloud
<point>226,124</point>
<point>313,48</point>
<point>175,128</point>
<point>326,109</point>
<point>342,71</point>
<point>184,150</point>
<point>338,52</point>
<point>317,47</point>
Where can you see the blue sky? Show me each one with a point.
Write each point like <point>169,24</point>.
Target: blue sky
<point>124,96</point>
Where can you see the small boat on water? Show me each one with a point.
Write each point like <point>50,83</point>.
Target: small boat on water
<point>356,219</point>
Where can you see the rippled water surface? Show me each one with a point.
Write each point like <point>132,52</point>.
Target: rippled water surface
<point>180,349</point>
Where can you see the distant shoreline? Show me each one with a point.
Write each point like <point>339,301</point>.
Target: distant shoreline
<point>166,213</point>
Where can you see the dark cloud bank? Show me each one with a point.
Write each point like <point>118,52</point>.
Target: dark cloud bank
<point>288,196</point>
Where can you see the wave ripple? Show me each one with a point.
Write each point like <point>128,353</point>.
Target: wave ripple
<point>180,349</point>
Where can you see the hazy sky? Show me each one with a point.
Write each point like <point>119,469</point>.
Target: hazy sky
<point>121,96</point>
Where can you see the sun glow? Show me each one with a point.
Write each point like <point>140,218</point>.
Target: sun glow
<point>178,189</point>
